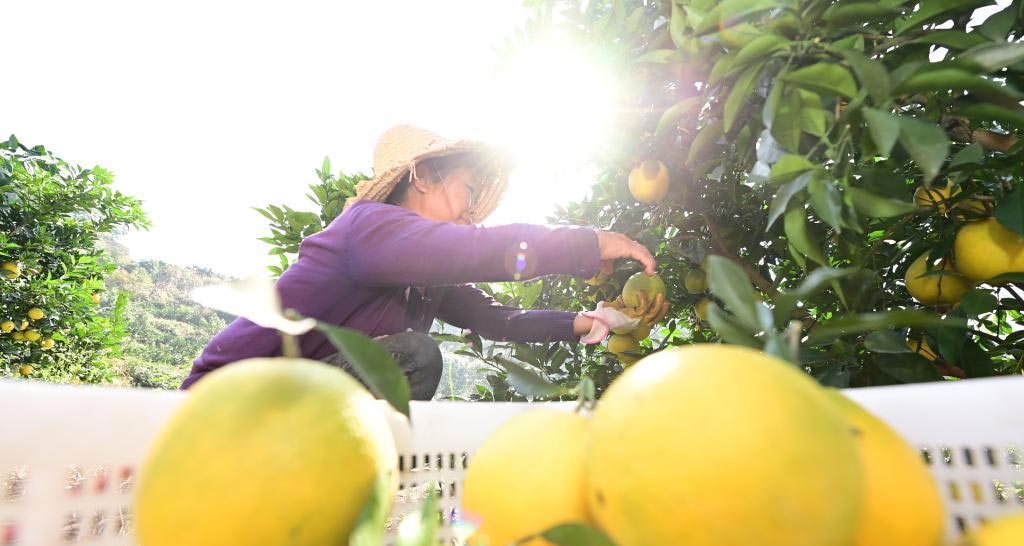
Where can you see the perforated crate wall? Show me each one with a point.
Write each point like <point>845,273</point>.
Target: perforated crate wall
<point>68,455</point>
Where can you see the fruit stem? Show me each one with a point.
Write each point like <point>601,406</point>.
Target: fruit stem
<point>290,346</point>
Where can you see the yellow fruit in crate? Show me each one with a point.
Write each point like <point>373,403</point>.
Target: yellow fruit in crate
<point>648,183</point>
<point>987,249</point>
<point>946,287</point>
<point>701,308</point>
<point>935,196</point>
<point>265,451</point>
<point>902,504</point>
<point>639,282</point>
<point>695,281</point>
<point>721,445</point>
<point>47,344</point>
<point>527,477</point>
<point>10,270</point>
<point>621,344</point>
<point>36,313</point>
<point>6,326</point>
<point>32,335</point>
<point>1005,530</point>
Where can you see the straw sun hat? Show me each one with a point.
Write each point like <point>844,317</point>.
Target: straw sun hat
<point>400,148</point>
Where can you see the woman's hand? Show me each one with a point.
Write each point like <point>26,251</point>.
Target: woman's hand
<point>614,245</point>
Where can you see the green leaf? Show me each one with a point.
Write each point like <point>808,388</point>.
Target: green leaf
<point>783,195</point>
<point>884,128</point>
<point>658,56</point>
<point>689,105</point>
<point>977,302</point>
<point>729,283</point>
<point>872,75</point>
<point>926,143</point>
<point>707,136</point>
<point>726,326</point>
<point>788,167</point>
<point>758,48</point>
<point>931,9</point>
<point>795,223</point>
<point>325,167</point>
<point>722,67</point>
<point>786,125</point>
<point>886,341</point>
<point>992,57</point>
<point>576,534</point>
<point>840,15</point>
<point>826,201</point>
<point>369,528</point>
<point>526,381</point>
<point>907,368</point>
<point>979,112</point>
<point>732,12</point>
<point>953,39</point>
<point>865,322</point>
<point>998,25</point>
<point>372,363</point>
<point>1010,211</point>
<point>813,121</point>
<point>976,362</point>
<point>678,25</point>
<point>824,78</point>
<point>971,154</point>
<point>420,528</point>
<point>944,79</point>
<point>530,292</point>
<point>740,93</point>
<point>873,205</point>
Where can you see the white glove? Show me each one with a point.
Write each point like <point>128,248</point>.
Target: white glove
<point>606,319</point>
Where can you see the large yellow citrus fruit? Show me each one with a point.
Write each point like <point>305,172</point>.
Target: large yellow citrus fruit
<point>18,336</point>
<point>987,249</point>
<point>264,451</point>
<point>1007,530</point>
<point>47,344</point>
<point>970,209</point>
<point>923,348</point>
<point>639,282</point>
<point>649,182</point>
<point>902,504</point>
<point>527,476</point>
<point>935,196</point>
<point>10,270</point>
<point>6,326</point>
<point>643,331</point>
<point>721,445</point>
<point>621,344</point>
<point>25,370</point>
<point>36,313</point>
<point>946,287</point>
<point>701,308</point>
<point>695,281</point>
<point>32,335</point>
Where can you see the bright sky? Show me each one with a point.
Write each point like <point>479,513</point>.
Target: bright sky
<point>206,109</point>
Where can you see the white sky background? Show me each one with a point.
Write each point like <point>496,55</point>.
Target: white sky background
<point>206,109</point>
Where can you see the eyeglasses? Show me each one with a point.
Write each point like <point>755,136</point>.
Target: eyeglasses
<point>471,188</point>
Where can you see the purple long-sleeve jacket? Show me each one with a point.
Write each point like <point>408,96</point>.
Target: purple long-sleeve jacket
<point>382,269</point>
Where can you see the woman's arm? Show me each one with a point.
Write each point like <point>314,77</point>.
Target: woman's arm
<point>466,306</point>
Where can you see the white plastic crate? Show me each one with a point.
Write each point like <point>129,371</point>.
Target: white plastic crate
<point>69,455</point>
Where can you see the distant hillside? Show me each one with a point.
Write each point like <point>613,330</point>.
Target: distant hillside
<point>166,330</point>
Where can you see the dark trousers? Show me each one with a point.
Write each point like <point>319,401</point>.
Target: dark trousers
<point>416,353</point>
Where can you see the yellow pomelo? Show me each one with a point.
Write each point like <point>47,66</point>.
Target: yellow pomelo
<point>695,281</point>
<point>1007,530</point>
<point>621,344</point>
<point>649,182</point>
<point>18,336</point>
<point>265,451</point>
<point>701,308</point>
<point>36,313</point>
<point>944,288</point>
<point>721,445</point>
<point>641,282</point>
<point>47,344</point>
<point>10,270</point>
<point>921,347</point>
<point>935,196</point>
<point>902,504</point>
<point>6,326</point>
<point>32,335</point>
<point>642,332</point>
<point>987,249</point>
<point>25,370</point>
<point>970,209</point>
<point>527,476</point>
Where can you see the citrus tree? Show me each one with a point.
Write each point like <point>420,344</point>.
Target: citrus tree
<point>52,214</point>
<point>852,166</point>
